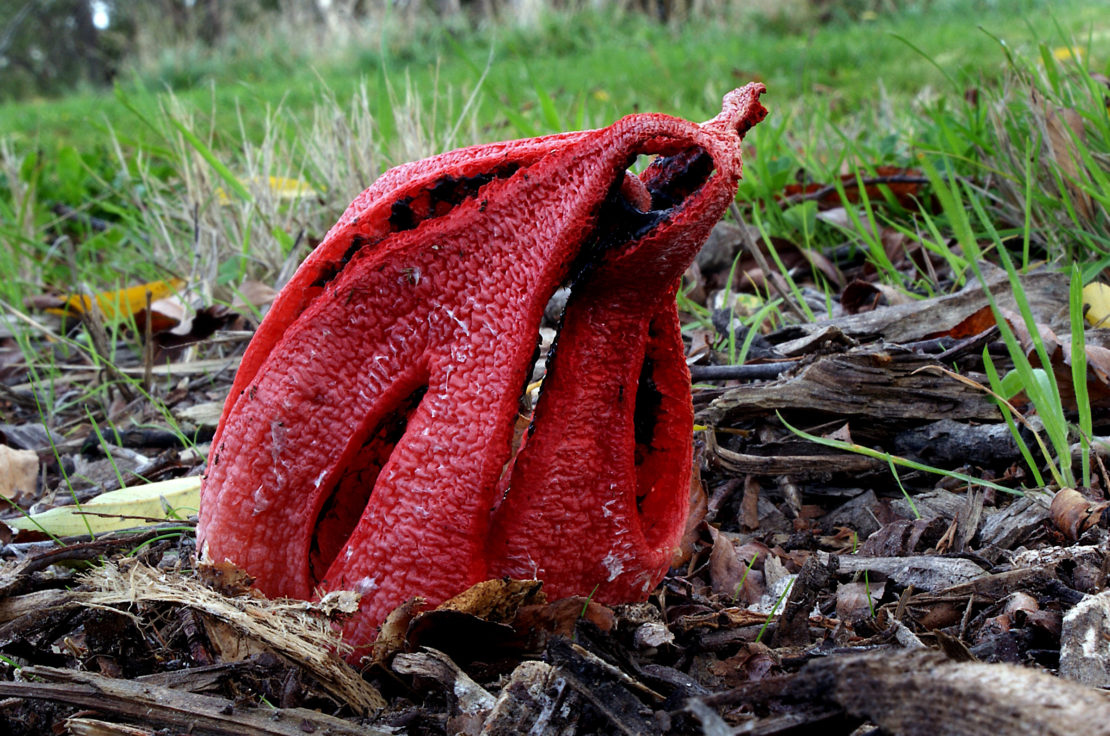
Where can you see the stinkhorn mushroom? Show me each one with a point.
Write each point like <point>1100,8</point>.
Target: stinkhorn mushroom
<point>367,443</point>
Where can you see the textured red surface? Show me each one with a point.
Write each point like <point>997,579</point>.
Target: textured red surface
<point>367,440</point>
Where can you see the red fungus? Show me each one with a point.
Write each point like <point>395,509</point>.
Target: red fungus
<point>366,443</point>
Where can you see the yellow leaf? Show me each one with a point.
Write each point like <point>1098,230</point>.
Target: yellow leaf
<point>1067,53</point>
<point>1096,300</point>
<point>280,186</point>
<point>170,499</point>
<point>116,305</point>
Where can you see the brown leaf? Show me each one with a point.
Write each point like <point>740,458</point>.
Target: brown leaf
<point>974,324</point>
<point>1073,514</point>
<point>254,293</point>
<point>189,330</point>
<point>858,601</point>
<point>560,617</point>
<point>1064,128</point>
<point>903,183</point>
<point>392,635</point>
<point>753,662</point>
<point>725,569</point>
<point>749,505</point>
<point>698,509</point>
<point>19,471</point>
<point>1098,359</point>
<point>864,296</point>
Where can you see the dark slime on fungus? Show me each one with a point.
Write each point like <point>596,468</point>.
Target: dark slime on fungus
<point>367,440</point>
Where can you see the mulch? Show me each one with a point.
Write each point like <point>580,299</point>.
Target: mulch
<point>818,588</point>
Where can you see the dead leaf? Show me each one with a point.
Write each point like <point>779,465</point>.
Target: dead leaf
<point>1098,359</point>
<point>905,537</point>
<point>1073,514</point>
<point>904,184</point>
<point>193,329</point>
<point>975,323</point>
<point>699,507</point>
<point>495,600</point>
<point>749,505</point>
<point>122,508</point>
<point>254,293</point>
<point>19,470</point>
<point>725,569</point>
<point>391,636</point>
<point>1096,304</point>
<point>753,662</point>
<point>859,600</point>
<point>538,622</point>
<point>864,296</point>
<point>118,304</point>
<point>1064,134</point>
<point>277,187</point>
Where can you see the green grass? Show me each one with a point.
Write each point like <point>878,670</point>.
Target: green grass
<point>593,67</point>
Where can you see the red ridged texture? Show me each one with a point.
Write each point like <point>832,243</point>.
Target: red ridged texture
<point>367,441</point>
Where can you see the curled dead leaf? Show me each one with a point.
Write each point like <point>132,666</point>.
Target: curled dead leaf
<point>1073,513</point>
<point>391,636</point>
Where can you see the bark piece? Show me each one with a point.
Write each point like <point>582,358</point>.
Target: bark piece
<point>812,579</point>
<point>948,444</point>
<point>176,709</point>
<point>936,503</point>
<point>536,700</point>
<point>97,727</point>
<point>895,691</point>
<point>1046,290</point>
<point>923,572</point>
<point>903,538</point>
<point>603,686</point>
<point>1005,528</point>
<point>867,383</point>
<point>470,702</point>
<point>15,606</point>
<point>857,514</point>
<point>300,631</point>
<point>1085,642</point>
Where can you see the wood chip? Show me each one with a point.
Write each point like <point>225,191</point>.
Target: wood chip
<point>164,706</point>
<point>1084,649</point>
<point>894,690</point>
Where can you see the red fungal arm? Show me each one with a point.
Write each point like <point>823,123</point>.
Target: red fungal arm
<point>366,222</point>
<point>598,494</point>
<point>369,427</point>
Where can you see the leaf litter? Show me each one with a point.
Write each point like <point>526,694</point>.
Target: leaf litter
<point>817,586</point>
